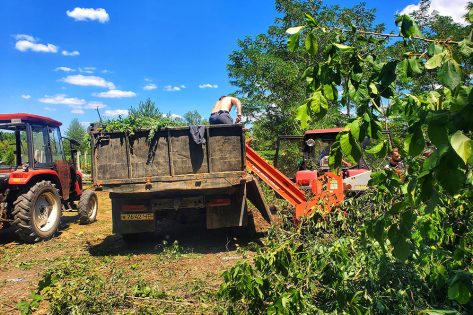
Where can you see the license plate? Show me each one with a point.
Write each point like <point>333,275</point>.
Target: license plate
<point>137,216</point>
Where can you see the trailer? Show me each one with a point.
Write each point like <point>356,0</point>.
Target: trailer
<point>165,173</point>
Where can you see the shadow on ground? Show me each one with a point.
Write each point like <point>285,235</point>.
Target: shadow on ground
<point>190,238</point>
<point>8,236</point>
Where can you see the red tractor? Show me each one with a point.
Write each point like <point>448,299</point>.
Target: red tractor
<point>36,180</point>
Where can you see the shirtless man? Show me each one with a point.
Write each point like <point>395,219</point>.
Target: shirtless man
<point>221,111</point>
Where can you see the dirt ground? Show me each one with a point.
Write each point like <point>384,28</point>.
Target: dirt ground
<point>185,265</point>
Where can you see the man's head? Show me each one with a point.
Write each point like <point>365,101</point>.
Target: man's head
<point>221,97</point>
<point>395,156</point>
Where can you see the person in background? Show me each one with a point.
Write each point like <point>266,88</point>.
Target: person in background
<point>395,161</point>
<point>220,113</point>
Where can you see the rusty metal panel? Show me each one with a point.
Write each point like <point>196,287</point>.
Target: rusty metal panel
<point>226,149</point>
<point>235,214</point>
<point>187,156</point>
<point>148,157</point>
<point>110,158</point>
<point>121,159</point>
<point>64,173</point>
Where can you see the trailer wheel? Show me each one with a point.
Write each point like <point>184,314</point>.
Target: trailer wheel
<point>37,212</point>
<point>88,206</point>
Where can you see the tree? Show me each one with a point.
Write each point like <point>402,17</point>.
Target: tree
<point>145,109</point>
<point>77,132</point>
<point>194,118</point>
<point>270,79</point>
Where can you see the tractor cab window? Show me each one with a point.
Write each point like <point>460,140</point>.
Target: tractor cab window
<point>57,152</point>
<point>13,146</point>
<point>41,154</point>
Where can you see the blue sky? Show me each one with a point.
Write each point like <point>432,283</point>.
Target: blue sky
<point>64,58</point>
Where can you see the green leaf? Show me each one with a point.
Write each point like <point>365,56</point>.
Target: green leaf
<point>302,115</point>
<point>294,30</point>
<point>329,91</point>
<point>470,15</point>
<point>414,142</point>
<point>466,48</point>
<point>408,26</point>
<point>310,20</point>
<point>379,150</point>
<point>349,146</point>
<point>463,146</point>
<point>356,130</point>
<point>438,135</point>
<point>434,49</point>
<point>311,44</point>
<point>434,62</point>
<point>293,42</point>
<point>343,48</point>
<point>402,250</point>
<point>414,66</point>
<point>388,73</point>
<point>459,292</point>
<point>450,74</point>
<point>318,105</point>
<point>335,158</point>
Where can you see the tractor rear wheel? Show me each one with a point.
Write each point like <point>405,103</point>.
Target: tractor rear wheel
<point>37,212</point>
<point>88,205</point>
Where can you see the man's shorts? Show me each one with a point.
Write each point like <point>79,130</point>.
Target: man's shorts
<point>220,118</point>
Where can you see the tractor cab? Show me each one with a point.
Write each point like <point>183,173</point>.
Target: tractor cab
<point>36,180</point>
<point>313,162</point>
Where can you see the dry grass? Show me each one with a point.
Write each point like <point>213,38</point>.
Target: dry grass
<point>183,269</point>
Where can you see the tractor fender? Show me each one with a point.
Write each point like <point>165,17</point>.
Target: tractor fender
<point>31,177</point>
<point>22,178</point>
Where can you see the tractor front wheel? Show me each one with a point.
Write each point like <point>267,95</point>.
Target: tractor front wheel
<point>88,205</point>
<point>37,212</point>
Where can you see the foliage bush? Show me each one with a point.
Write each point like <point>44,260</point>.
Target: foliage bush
<point>338,264</point>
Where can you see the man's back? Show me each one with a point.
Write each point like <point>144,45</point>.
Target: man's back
<point>225,103</point>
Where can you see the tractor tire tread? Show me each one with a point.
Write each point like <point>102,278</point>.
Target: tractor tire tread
<point>22,214</point>
<point>83,207</point>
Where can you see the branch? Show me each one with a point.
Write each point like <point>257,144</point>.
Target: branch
<point>391,35</point>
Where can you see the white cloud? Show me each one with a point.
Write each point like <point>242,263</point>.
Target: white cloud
<point>115,94</point>
<point>150,87</point>
<point>25,37</point>
<point>173,116</point>
<point>95,105</point>
<point>88,70</point>
<point>49,109</point>
<point>62,99</point>
<point>105,71</point>
<point>77,105</point>
<point>84,14</point>
<point>25,96</point>
<point>64,69</point>
<point>77,110</point>
<point>88,80</point>
<point>28,42</point>
<point>453,8</point>
<point>70,53</point>
<point>208,86</point>
<point>170,88</point>
<point>116,112</point>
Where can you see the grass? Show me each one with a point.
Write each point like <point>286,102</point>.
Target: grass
<point>86,269</point>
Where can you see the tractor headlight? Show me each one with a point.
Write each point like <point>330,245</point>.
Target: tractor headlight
<point>310,142</point>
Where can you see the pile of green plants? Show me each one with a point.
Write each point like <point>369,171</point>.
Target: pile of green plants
<point>343,263</point>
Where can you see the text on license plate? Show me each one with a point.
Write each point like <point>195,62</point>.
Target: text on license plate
<point>137,216</point>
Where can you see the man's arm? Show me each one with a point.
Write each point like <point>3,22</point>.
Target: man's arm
<point>238,105</point>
